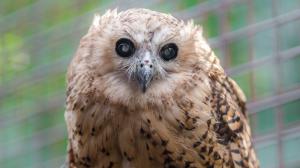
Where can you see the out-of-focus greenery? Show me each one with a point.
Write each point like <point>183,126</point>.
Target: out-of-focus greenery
<point>39,37</point>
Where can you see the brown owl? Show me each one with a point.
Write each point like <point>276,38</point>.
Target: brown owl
<point>145,90</point>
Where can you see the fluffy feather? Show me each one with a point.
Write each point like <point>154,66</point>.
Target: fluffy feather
<point>192,114</point>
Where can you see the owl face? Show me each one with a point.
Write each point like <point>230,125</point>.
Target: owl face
<point>145,48</point>
<point>143,60</point>
<point>142,51</point>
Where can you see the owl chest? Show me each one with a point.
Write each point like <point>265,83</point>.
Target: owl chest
<point>104,135</point>
<point>142,138</point>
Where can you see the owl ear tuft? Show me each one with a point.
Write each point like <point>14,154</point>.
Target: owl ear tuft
<point>195,27</point>
<point>104,19</point>
<point>96,20</point>
<point>190,30</point>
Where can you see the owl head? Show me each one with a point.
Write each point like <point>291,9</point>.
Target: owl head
<point>140,53</point>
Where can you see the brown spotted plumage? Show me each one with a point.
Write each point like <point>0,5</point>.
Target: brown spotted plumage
<point>146,91</point>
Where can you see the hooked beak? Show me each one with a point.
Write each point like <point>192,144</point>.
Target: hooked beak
<point>144,74</point>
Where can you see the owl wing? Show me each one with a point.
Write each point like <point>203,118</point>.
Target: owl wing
<point>231,125</point>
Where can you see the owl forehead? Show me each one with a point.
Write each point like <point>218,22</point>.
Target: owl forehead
<point>149,27</point>
<point>143,34</point>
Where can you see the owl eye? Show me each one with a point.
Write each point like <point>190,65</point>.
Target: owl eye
<point>168,51</point>
<point>125,47</point>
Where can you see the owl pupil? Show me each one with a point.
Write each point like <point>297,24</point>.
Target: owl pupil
<point>124,47</point>
<point>169,51</point>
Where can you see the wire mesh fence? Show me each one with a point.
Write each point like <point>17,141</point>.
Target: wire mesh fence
<point>257,41</point>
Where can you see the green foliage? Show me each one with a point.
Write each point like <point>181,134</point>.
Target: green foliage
<point>265,76</point>
<point>189,3</point>
<point>262,9</point>
<point>211,25</point>
<point>244,81</point>
<point>259,120</point>
<point>264,44</point>
<point>13,58</point>
<point>239,51</point>
<point>291,112</point>
<point>8,7</point>
<point>289,35</point>
<point>287,6</point>
<point>290,155</point>
<point>237,16</point>
<point>290,69</point>
<point>267,154</point>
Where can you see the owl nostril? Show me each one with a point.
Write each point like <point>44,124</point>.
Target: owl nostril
<point>142,65</point>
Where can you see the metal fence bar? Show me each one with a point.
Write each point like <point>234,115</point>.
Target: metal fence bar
<point>250,19</point>
<point>257,27</point>
<point>283,55</point>
<point>273,101</point>
<point>277,80</point>
<point>267,139</point>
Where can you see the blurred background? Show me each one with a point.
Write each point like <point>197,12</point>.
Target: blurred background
<point>257,41</point>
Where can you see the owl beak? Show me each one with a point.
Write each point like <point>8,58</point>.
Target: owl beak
<point>144,74</point>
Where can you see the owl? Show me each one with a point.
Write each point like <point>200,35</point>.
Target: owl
<point>145,90</point>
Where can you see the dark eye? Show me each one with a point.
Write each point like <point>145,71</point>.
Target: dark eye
<point>168,51</point>
<point>125,47</point>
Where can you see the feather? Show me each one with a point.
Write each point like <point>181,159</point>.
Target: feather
<point>191,115</point>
